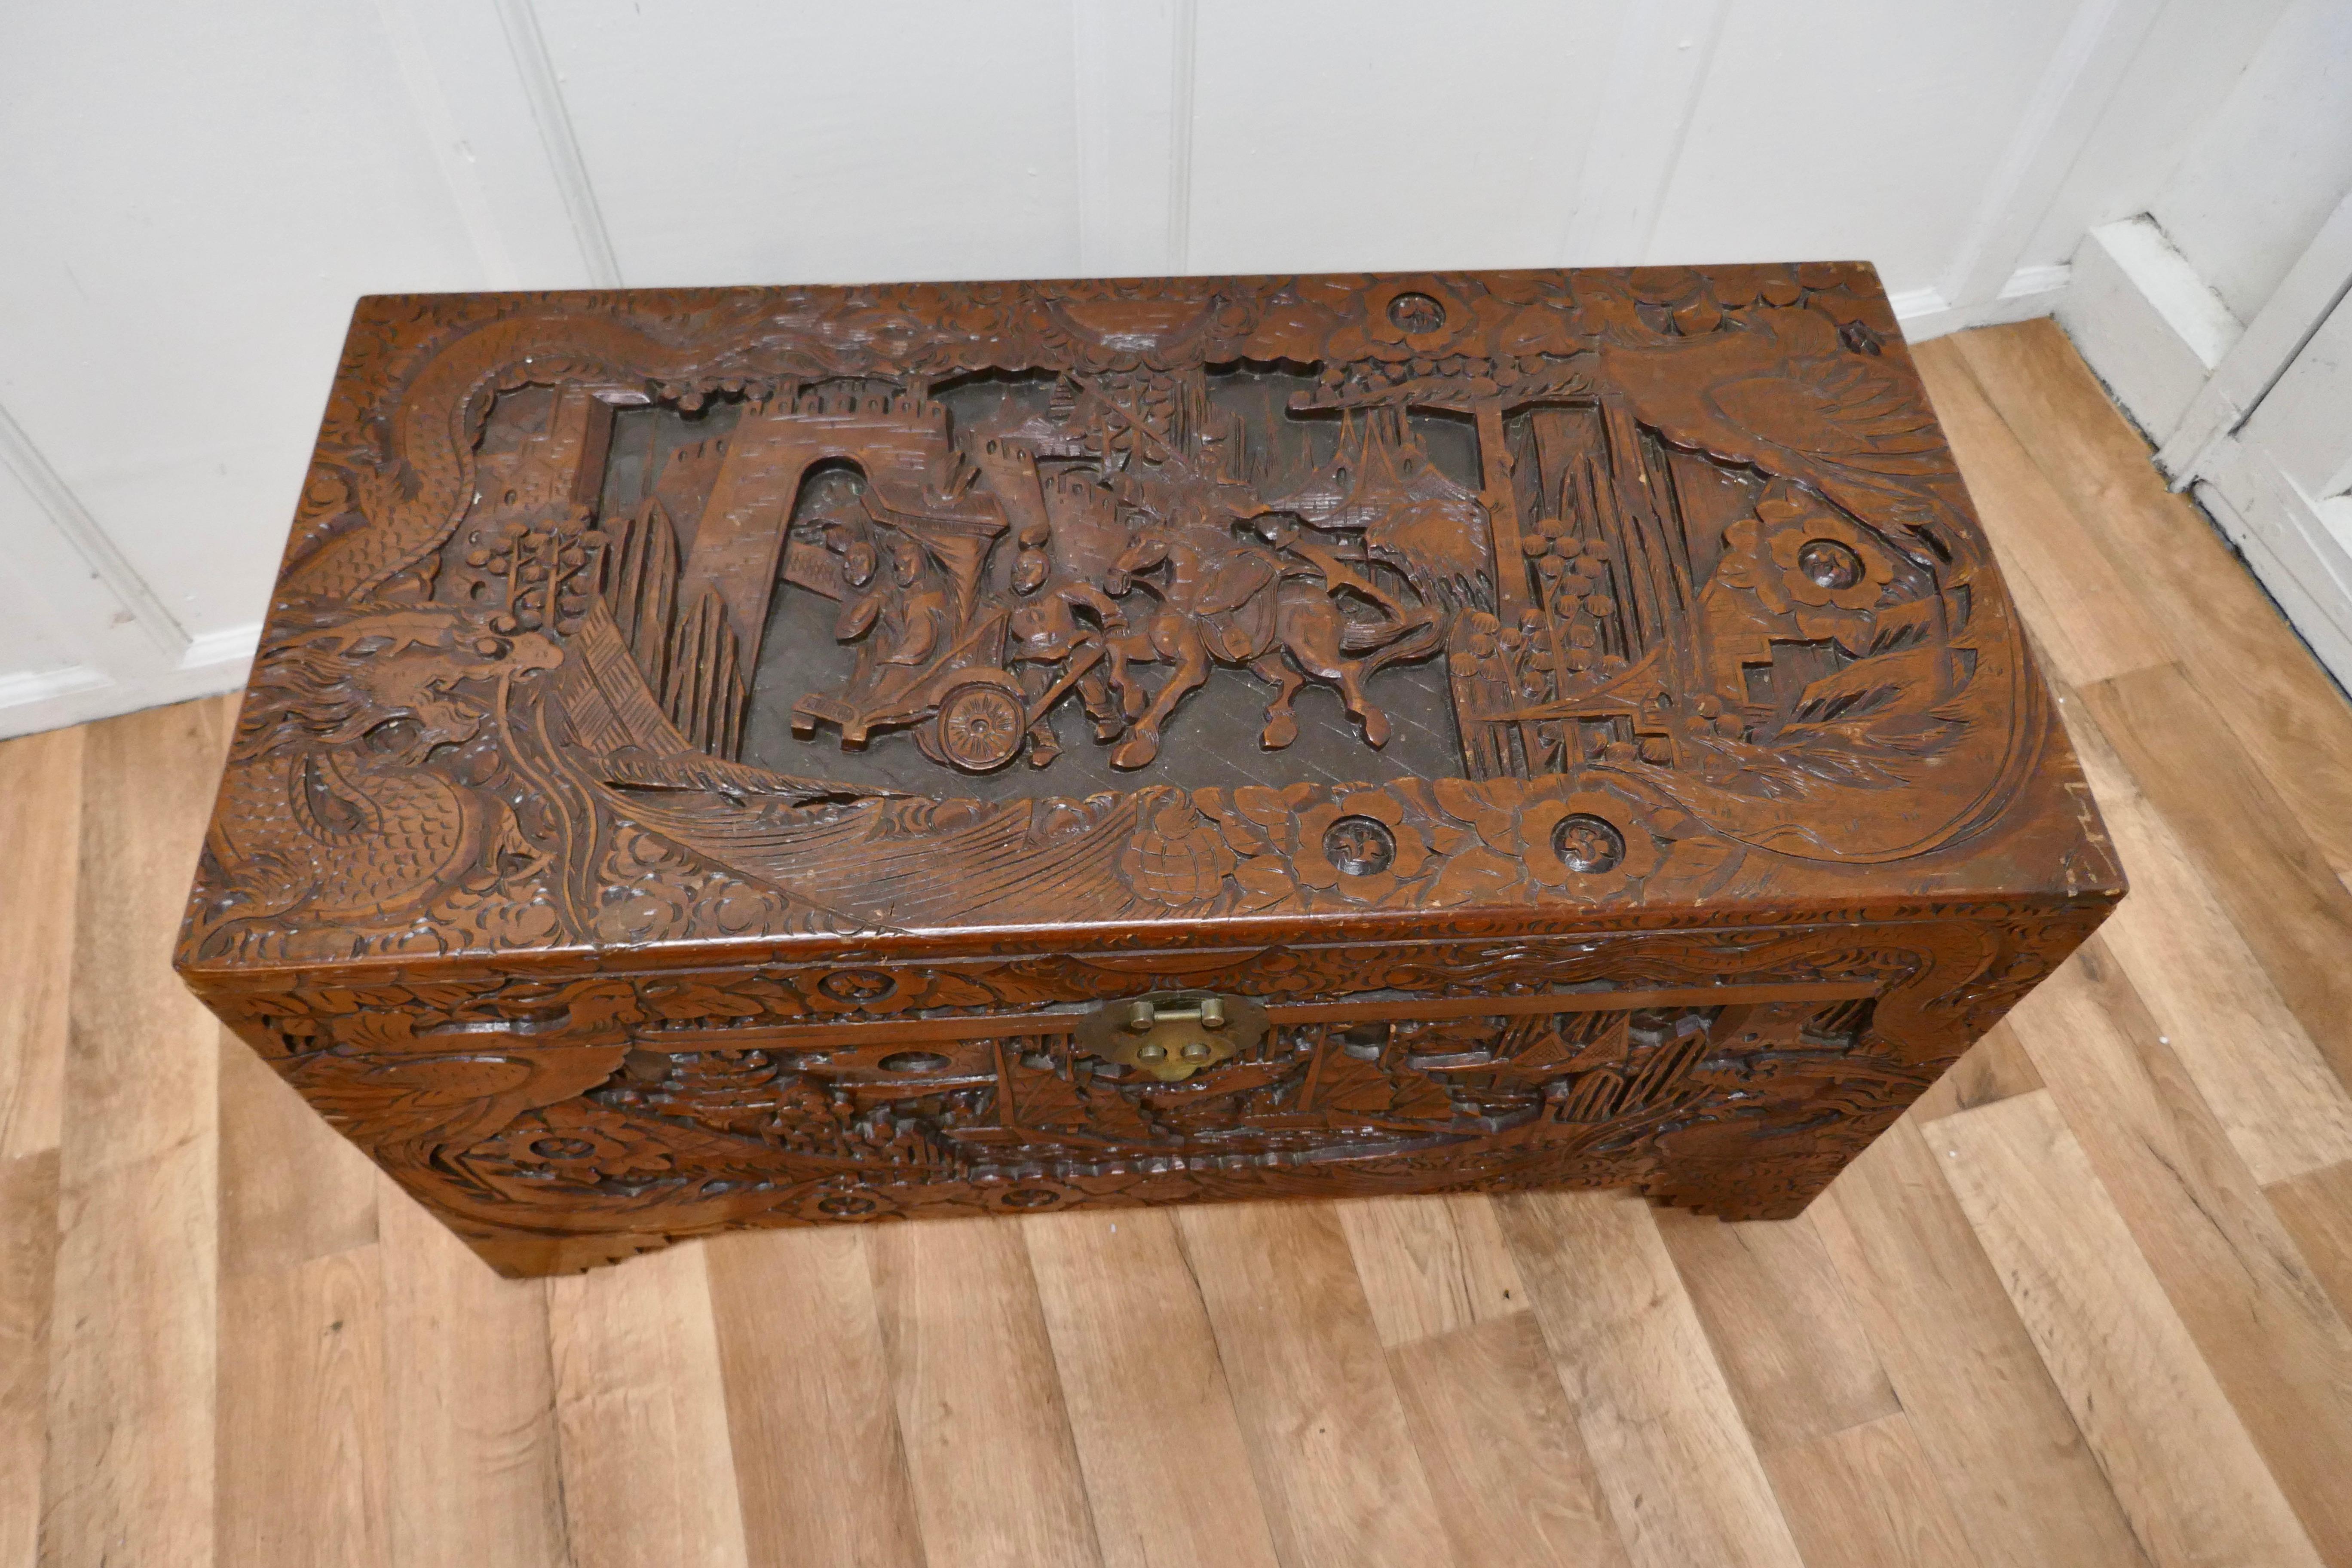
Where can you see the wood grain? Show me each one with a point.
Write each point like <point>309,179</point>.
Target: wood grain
<point>1992,1421</point>
<point>1431,1265</point>
<point>1791,1349</point>
<point>475,1467</point>
<point>40,818</point>
<point>2279,702</point>
<point>1867,1497</point>
<point>1498,1442</point>
<point>28,1257</point>
<point>1995,1068</point>
<point>129,1475</point>
<point>292,1189</point>
<point>2254,1064</point>
<point>2316,1209</point>
<point>809,1409</point>
<point>1327,1434</point>
<point>2226,1021</point>
<point>1681,1474</point>
<point>1144,1383</point>
<point>301,1419</point>
<point>641,1403</point>
<point>2260,1319</point>
<point>2178,1457</point>
<point>995,1473</point>
<point>2095,628</point>
<point>2281,893</point>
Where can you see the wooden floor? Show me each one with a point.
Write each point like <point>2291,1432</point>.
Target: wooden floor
<point>2085,1306</point>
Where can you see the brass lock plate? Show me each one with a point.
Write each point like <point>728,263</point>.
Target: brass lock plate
<point>1171,1035</point>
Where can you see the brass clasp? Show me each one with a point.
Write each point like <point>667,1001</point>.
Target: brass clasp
<point>1172,1035</point>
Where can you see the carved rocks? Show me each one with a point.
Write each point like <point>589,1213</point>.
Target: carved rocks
<point>738,757</point>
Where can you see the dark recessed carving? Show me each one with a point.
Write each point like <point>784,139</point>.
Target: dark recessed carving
<point>1415,313</point>
<point>847,1206</point>
<point>1359,845</point>
<point>914,1061</point>
<point>856,984</point>
<point>1830,564</point>
<point>1589,845</point>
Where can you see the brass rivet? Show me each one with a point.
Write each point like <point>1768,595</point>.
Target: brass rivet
<point>1141,1017</point>
<point>1213,1013</point>
<point>1196,1051</point>
<point>1151,1053</point>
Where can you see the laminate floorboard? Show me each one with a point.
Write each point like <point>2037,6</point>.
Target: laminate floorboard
<point>2086,1306</point>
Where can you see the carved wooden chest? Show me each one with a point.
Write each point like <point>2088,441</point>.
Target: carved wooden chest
<point>772,756</point>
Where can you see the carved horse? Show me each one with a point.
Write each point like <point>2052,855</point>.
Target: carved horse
<point>1224,600</point>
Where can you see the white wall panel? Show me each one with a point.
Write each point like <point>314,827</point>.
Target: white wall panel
<point>2173,84</point>
<point>756,142</point>
<point>488,104</point>
<point>1848,127</point>
<point>1332,136</point>
<point>1134,66</point>
<point>2219,312</point>
<point>2263,172</point>
<point>54,604</point>
<point>69,646</point>
<point>194,195</point>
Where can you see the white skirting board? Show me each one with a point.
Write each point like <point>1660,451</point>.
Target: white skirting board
<point>33,701</point>
<point>2145,322</point>
<point>2030,291</point>
<point>2190,373</point>
<point>2301,550</point>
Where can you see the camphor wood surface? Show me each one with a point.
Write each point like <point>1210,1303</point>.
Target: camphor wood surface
<point>2139,1183</point>
<point>712,752</point>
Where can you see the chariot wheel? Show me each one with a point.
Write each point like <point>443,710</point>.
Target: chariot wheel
<point>979,726</point>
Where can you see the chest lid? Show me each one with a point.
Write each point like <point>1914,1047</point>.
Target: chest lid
<point>1089,613</point>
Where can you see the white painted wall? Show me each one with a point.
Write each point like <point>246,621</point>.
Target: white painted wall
<point>2213,302</point>
<point>2258,179</point>
<point>194,195</point>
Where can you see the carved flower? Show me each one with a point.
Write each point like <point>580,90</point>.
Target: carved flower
<point>1821,559</point>
<point>1176,856</point>
<point>1420,314</point>
<point>576,1141</point>
<point>1831,562</point>
<point>1737,287</point>
<point>1359,845</point>
<point>1664,285</point>
<point>1793,565</point>
<point>1587,842</point>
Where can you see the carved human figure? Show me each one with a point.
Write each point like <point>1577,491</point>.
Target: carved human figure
<point>908,617</point>
<point>1049,640</point>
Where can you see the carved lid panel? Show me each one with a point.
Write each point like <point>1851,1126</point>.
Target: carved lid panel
<point>859,614</point>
